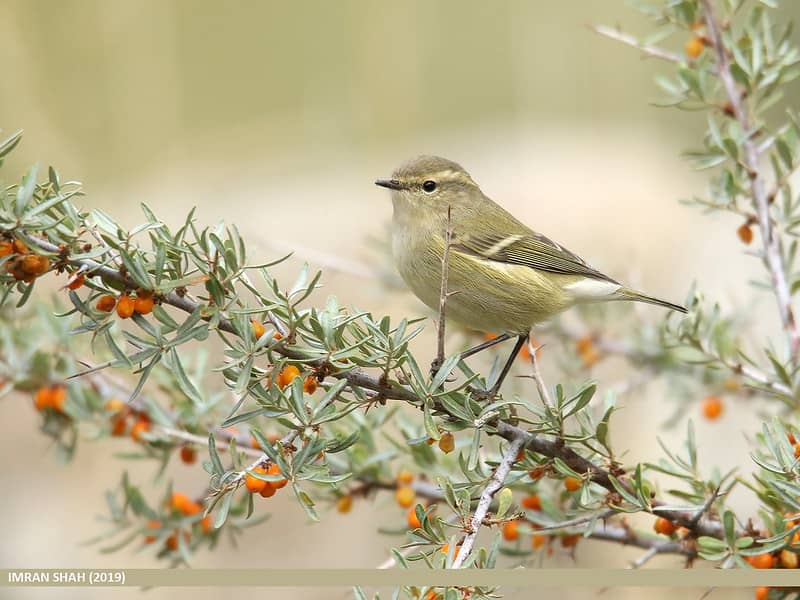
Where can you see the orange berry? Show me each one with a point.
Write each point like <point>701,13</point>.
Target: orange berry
<point>139,428</point>
<point>431,595</point>
<point>258,328</point>
<point>59,397</point>
<point>447,442</point>
<point>446,548</point>
<point>192,508</point>
<point>125,306</point>
<point>413,521</point>
<point>694,47</point>
<point>276,470</point>
<point>277,336</point>
<point>532,502</point>
<point>254,484</point>
<point>287,375</point>
<point>172,542</point>
<point>762,593</point>
<point>6,248</point>
<point>77,282</point>
<point>797,450</point>
<point>119,425</point>
<point>572,484</point>
<point>142,304</point>
<point>254,443</point>
<point>712,407</point>
<point>188,455</point>
<point>520,455</point>
<point>344,504</point>
<point>114,405</point>
<point>405,477</point>
<point>536,473</point>
<point>569,541</point>
<point>664,526</point>
<point>106,303</point>
<point>745,233</point>
<point>20,247</point>
<point>510,530</point>
<point>180,501</point>
<point>43,398</point>
<point>590,357</point>
<point>538,540</point>
<point>762,561</point>
<point>791,438</point>
<point>430,441</point>
<point>268,491</point>
<point>788,559</point>
<point>33,264</point>
<point>584,345</point>
<point>405,496</point>
<point>310,384</point>
<point>206,524</point>
<point>149,539</point>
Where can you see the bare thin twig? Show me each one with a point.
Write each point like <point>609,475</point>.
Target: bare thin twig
<point>772,256</point>
<point>448,236</point>
<point>495,483</point>
<point>628,537</point>
<point>537,377</point>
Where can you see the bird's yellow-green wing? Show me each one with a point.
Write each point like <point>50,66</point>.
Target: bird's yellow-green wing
<point>530,249</point>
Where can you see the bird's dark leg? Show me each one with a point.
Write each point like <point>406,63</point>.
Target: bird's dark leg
<point>521,340</point>
<point>487,344</point>
<point>435,365</point>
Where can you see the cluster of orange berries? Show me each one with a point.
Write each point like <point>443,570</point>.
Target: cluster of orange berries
<point>511,533</point>
<point>266,489</point>
<point>183,505</point>
<point>126,304</point>
<point>23,265</point>
<point>289,373</point>
<point>405,494</point>
<point>52,397</point>
<point>121,418</point>
<point>785,558</point>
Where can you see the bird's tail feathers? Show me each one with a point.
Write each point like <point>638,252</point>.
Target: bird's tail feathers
<point>628,294</point>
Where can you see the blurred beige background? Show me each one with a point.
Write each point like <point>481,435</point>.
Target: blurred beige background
<point>277,116</point>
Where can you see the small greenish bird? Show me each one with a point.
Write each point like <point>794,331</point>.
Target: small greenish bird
<point>502,275</point>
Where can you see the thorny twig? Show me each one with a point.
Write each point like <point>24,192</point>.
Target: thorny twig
<point>443,294</point>
<point>495,483</point>
<point>773,257</point>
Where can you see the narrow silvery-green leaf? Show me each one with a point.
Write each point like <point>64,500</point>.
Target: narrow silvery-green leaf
<point>504,499</point>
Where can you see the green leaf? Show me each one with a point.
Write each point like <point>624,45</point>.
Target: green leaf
<point>504,499</point>
<point>222,513</point>
<point>212,452</point>
<point>184,383</point>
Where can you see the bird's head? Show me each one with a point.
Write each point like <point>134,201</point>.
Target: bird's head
<point>430,182</point>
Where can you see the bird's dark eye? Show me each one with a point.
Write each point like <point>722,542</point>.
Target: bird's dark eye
<point>429,186</point>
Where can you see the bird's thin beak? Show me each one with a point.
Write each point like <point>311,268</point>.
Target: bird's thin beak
<point>392,184</point>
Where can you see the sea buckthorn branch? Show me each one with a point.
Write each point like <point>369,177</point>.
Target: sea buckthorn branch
<point>748,64</point>
<point>356,379</point>
<point>492,487</point>
<point>772,252</point>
